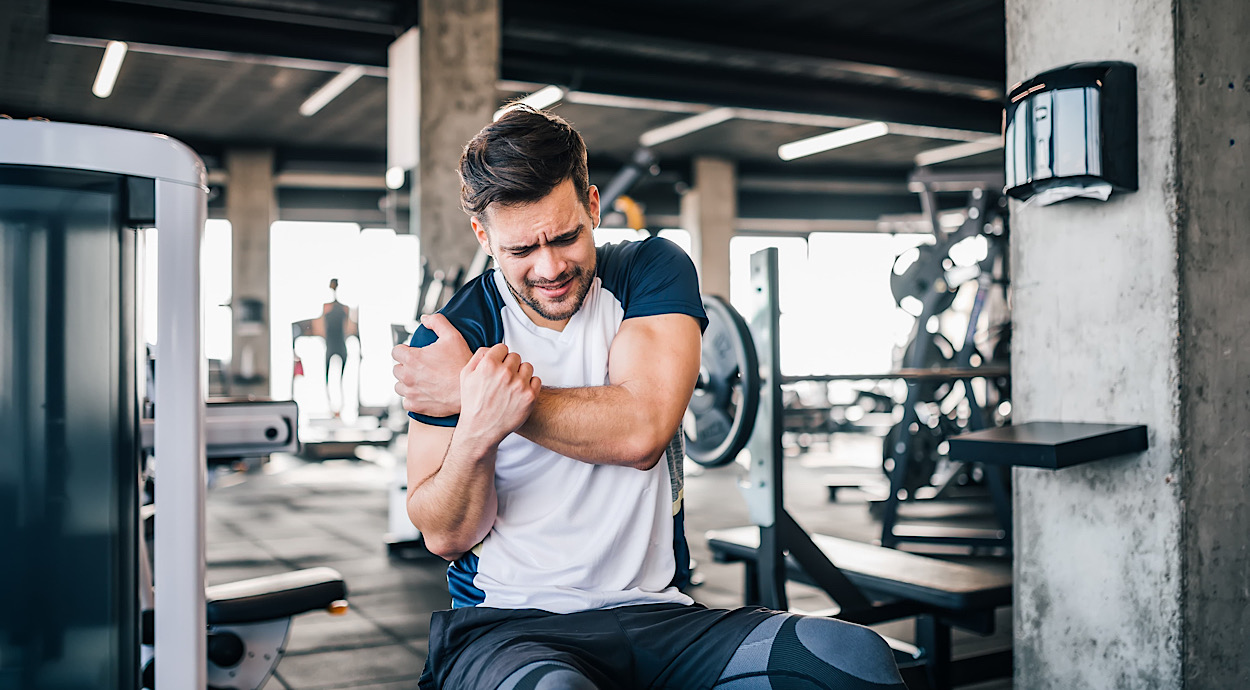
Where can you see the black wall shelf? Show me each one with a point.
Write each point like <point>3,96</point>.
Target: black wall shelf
<point>1050,445</point>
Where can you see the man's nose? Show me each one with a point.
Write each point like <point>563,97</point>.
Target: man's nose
<point>549,264</point>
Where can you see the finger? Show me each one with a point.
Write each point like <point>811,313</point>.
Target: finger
<point>441,326</point>
<point>404,403</point>
<point>536,385</point>
<point>476,359</point>
<point>399,353</point>
<point>498,352</point>
<point>512,362</point>
<point>526,371</point>
<point>398,372</point>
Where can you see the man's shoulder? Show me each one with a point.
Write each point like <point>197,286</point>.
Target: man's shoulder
<point>474,311</point>
<point>619,264</point>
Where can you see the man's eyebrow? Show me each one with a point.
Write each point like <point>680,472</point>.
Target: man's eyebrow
<point>571,234</point>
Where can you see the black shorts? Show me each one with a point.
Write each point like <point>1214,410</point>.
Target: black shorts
<point>648,646</point>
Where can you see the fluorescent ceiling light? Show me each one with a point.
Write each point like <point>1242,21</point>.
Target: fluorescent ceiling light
<point>957,151</point>
<point>832,140</point>
<point>683,127</point>
<point>337,85</point>
<point>114,53</point>
<point>548,95</point>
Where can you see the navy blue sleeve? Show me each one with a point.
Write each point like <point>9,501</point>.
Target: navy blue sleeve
<point>474,311</point>
<point>652,277</point>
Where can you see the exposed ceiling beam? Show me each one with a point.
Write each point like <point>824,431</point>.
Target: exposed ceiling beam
<point>731,30</point>
<point>228,28</point>
<point>957,151</point>
<point>722,87</point>
<point>577,41</point>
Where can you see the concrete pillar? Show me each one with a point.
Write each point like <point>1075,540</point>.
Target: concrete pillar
<point>709,212</point>
<point>442,78</point>
<point>1135,572</point>
<point>251,207</point>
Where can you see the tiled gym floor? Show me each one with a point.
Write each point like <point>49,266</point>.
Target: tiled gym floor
<point>291,514</point>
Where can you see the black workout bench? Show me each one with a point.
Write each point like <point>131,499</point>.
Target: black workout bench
<point>939,594</point>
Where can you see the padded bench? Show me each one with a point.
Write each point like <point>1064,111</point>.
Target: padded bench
<point>274,596</point>
<point>884,572</point>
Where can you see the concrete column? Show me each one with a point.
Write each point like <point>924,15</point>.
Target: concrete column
<point>1133,572</point>
<point>709,212</point>
<point>442,92</point>
<point>251,207</point>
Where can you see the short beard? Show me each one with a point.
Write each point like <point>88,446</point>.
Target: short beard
<point>574,298</point>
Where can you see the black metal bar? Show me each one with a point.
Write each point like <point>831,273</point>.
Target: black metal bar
<point>818,567</point>
<point>771,570</point>
<point>751,585</point>
<point>934,637</point>
<point>996,477</point>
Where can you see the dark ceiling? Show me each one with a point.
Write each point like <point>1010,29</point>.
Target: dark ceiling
<point>223,73</point>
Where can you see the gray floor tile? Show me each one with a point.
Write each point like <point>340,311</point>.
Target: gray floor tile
<point>307,549</point>
<point>350,668</point>
<point>314,632</point>
<point>403,613</point>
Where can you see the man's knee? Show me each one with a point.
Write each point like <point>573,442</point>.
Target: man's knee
<point>547,675</point>
<point>852,648</point>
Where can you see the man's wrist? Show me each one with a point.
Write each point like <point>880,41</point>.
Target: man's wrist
<point>471,442</point>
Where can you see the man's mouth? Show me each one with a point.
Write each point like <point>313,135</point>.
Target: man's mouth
<point>554,290</point>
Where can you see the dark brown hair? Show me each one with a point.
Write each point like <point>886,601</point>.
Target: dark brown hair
<point>519,159</point>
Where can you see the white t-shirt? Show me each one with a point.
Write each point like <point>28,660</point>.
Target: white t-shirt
<point>569,535</point>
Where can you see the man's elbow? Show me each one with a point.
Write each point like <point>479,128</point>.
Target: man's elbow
<point>443,548</point>
<point>643,451</point>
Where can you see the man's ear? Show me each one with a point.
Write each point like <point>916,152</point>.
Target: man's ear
<point>593,194</point>
<point>479,231</point>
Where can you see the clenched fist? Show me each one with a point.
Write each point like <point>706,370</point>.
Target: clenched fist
<point>497,392</point>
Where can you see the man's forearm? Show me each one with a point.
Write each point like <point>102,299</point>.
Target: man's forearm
<point>456,506</point>
<point>607,425</point>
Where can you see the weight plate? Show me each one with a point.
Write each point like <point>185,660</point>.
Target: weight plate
<point>726,397</point>
<point>921,452</point>
<point>915,273</point>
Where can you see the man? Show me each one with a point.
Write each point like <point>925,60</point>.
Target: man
<point>544,458</point>
<point>337,325</point>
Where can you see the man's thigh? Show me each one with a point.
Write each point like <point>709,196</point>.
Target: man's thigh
<point>477,649</point>
<point>685,647</point>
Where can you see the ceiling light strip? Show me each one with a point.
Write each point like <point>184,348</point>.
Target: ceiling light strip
<point>542,98</point>
<point>337,85</point>
<point>686,126</point>
<point>110,65</point>
<point>832,140</point>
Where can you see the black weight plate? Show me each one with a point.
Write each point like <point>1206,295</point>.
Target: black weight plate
<point>921,452</point>
<point>914,274</point>
<point>727,395</point>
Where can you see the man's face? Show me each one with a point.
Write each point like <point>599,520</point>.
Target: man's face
<point>545,251</point>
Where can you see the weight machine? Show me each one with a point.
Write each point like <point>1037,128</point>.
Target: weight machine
<point>88,610</point>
